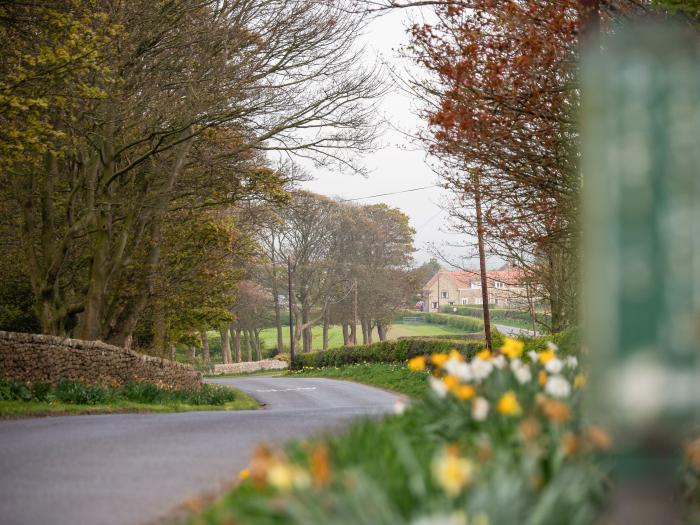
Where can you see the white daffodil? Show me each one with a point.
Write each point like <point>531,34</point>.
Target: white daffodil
<point>553,347</point>
<point>480,409</point>
<point>557,386</point>
<point>459,369</point>
<point>481,369</point>
<point>399,407</point>
<point>499,361</point>
<point>438,386</point>
<point>534,356</point>
<point>554,366</point>
<point>522,374</point>
<point>571,361</point>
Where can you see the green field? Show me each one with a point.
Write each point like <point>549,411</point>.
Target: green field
<point>335,334</point>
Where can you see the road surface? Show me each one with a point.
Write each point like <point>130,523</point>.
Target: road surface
<point>513,330</point>
<point>134,468</point>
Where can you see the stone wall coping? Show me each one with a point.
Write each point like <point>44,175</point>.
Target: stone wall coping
<point>44,339</point>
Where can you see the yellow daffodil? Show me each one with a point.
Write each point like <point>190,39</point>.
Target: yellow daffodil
<point>580,381</point>
<point>320,466</point>
<point>286,476</point>
<point>244,474</point>
<point>542,377</point>
<point>452,472</point>
<point>416,364</point>
<point>484,355</point>
<point>439,360</point>
<point>513,348</point>
<point>451,382</point>
<point>454,354</point>
<point>508,404</point>
<point>546,355</point>
<point>464,392</point>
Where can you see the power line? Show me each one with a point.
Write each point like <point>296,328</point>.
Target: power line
<point>391,193</point>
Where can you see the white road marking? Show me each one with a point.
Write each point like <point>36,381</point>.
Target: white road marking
<point>288,389</point>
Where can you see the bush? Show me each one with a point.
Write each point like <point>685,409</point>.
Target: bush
<point>384,352</point>
<point>75,393</point>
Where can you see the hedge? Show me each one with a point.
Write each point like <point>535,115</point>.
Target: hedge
<point>468,324</point>
<point>403,349</point>
<point>384,352</point>
<point>497,314</point>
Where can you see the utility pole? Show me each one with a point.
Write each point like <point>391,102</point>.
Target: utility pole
<point>291,316</point>
<point>354,312</point>
<point>482,260</point>
<point>438,301</point>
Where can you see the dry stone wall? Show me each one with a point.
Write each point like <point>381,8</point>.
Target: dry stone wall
<point>250,366</point>
<point>34,358</point>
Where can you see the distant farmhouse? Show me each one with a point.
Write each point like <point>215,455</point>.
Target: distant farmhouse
<point>463,288</point>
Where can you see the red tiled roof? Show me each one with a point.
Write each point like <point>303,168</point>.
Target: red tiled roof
<point>508,276</point>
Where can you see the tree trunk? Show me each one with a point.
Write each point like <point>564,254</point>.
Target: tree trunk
<point>159,333</point>
<point>382,331</point>
<point>192,352</point>
<point>325,332</point>
<point>225,345</point>
<point>205,347</point>
<point>365,332</point>
<point>306,332</point>
<point>237,344</point>
<point>248,345</point>
<point>258,350</point>
<point>353,334</point>
<point>276,301</point>
<point>173,352</point>
<point>346,334</point>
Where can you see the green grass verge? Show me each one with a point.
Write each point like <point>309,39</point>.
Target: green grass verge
<point>72,397</point>
<point>16,409</point>
<point>390,376</point>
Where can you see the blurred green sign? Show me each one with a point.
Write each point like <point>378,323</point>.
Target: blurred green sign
<point>641,182</point>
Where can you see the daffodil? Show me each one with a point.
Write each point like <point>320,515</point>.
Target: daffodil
<point>480,409</point>
<point>481,369</point>
<point>557,386</point>
<point>459,369</point>
<point>542,377</point>
<point>554,365</point>
<point>451,382</point>
<point>464,392</point>
<point>286,476</point>
<point>512,348</point>
<point>452,472</point>
<point>454,354</point>
<point>508,404</point>
<point>244,474</point>
<point>416,364</point>
<point>580,381</point>
<point>484,354</point>
<point>438,386</point>
<point>546,355</point>
<point>439,359</point>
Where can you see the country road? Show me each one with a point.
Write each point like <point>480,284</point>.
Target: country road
<point>134,468</point>
<point>513,330</point>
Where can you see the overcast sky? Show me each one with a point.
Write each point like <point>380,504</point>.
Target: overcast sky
<point>396,165</point>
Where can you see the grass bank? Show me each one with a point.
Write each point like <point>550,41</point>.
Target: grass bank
<point>390,376</point>
<point>495,440</point>
<point>74,398</point>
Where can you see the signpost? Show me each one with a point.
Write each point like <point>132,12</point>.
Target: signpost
<point>641,182</point>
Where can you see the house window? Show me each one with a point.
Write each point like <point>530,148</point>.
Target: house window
<point>434,305</point>
<point>465,300</point>
<point>451,303</point>
<point>500,285</point>
<point>444,295</point>
<point>477,300</point>
<point>475,285</point>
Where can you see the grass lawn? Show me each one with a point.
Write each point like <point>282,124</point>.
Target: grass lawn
<point>16,409</point>
<point>391,376</point>
<point>335,334</point>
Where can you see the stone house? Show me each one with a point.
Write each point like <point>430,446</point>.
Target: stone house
<point>463,288</point>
